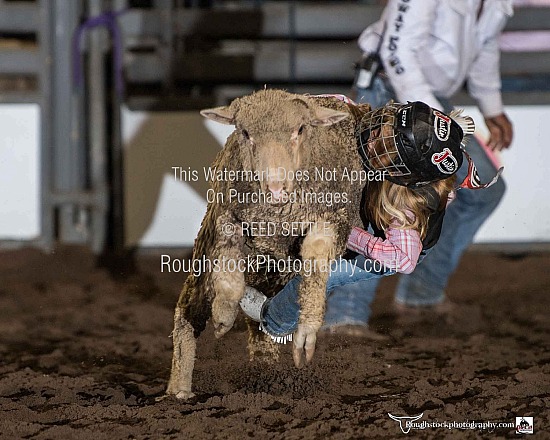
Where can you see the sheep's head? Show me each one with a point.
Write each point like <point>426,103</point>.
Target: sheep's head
<point>273,128</point>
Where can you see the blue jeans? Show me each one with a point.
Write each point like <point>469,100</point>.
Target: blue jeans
<point>281,313</point>
<point>426,285</point>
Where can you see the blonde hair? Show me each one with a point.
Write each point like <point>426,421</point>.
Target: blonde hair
<point>391,204</point>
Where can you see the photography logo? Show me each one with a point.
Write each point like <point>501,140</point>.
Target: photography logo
<point>524,425</point>
<point>405,422</point>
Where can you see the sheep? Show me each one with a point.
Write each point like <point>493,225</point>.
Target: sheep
<point>280,136</point>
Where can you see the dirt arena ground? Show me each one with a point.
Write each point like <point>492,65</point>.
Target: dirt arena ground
<point>83,356</point>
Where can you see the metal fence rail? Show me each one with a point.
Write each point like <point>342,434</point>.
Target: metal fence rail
<point>169,47</point>
<point>182,58</point>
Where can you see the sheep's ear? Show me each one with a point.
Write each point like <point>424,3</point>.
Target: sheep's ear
<point>219,114</point>
<point>326,116</point>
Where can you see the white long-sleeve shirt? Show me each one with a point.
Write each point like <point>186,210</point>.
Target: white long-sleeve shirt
<point>431,47</point>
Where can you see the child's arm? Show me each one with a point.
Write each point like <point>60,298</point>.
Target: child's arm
<point>400,250</point>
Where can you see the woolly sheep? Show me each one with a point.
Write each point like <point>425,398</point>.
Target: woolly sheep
<point>281,134</point>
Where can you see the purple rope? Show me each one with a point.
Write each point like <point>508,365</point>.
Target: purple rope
<point>109,20</point>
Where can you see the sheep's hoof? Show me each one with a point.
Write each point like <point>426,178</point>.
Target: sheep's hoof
<point>184,395</point>
<point>304,340</point>
<point>221,329</point>
<point>181,395</point>
<point>224,314</point>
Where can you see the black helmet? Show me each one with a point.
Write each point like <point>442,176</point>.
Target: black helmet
<point>424,145</point>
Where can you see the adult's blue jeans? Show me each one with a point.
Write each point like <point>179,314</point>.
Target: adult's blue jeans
<point>464,216</point>
<point>281,313</point>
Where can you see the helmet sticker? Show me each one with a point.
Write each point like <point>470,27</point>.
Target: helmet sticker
<point>442,126</point>
<point>445,161</point>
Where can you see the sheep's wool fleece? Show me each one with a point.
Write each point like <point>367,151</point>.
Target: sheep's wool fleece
<point>330,148</point>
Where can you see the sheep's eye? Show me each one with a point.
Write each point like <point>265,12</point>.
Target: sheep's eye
<point>245,134</point>
<point>300,130</point>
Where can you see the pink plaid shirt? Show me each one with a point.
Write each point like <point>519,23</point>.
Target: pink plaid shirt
<point>399,252</point>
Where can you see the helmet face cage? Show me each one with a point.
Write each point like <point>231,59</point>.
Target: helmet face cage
<point>413,143</point>
<point>416,144</point>
<point>378,142</point>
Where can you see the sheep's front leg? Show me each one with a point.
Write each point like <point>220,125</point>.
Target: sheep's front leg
<point>183,359</point>
<point>318,248</point>
<point>228,278</point>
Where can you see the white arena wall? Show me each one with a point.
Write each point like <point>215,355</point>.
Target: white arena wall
<point>19,171</point>
<point>164,212</point>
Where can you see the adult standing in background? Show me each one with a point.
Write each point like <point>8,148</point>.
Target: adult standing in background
<point>426,51</point>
